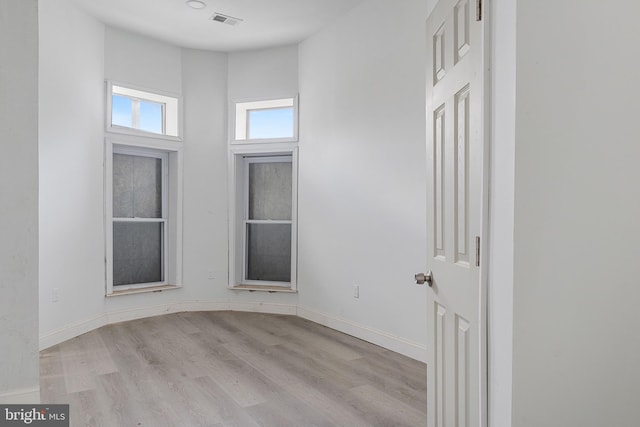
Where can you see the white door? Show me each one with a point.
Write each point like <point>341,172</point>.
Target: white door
<point>455,150</point>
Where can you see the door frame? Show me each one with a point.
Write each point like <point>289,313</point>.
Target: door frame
<point>486,15</point>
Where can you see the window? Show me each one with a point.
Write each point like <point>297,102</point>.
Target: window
<point>143,190</point>
<point>143,237</point>
<point>141,112</point>
<point>267,242</point>
<point>263,194</point>
<point>270,120</point>
<point>139,217</point>
<point>263,230</point>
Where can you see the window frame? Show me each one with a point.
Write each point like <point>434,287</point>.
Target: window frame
<point>236,119</point>
<point>238,213</point>
<point>171,156</point>
<point>163,219</point>
<point>169,101</point>
<point>247,161</point>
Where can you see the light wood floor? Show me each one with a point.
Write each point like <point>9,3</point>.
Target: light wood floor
<point>231,369</point>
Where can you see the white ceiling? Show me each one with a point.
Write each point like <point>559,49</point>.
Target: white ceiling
<point>265,22</point>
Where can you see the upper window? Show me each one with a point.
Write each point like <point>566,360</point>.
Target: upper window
<point>266,121</point>
<point>140,112</point>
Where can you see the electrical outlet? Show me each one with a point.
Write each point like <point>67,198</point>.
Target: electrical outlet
<point>55,294</point>
<point>356,291</point>
<point>211,274</point>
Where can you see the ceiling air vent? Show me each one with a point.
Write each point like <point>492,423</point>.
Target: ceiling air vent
<point>225,19</point>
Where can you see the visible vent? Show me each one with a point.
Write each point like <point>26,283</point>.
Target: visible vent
<point>225,19</point>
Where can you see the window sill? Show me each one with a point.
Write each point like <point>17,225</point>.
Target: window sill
<point>264,288</point>
<point>144,290</point>
<point>257,141</point>
<point>114,130</point>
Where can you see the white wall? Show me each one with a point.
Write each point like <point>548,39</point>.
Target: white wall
<point>142,61</point>
<point>362,212</point>
<point>205,174</point>
<point>71,154</point>
<point>19,359</point>
<point>263,73</point>
<point>576,293</point>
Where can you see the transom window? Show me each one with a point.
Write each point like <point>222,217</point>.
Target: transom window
<point>138,113</point>
<point>266,120</point>
<point>141,112</point>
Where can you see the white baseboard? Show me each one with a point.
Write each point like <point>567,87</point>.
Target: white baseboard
<point>205,305</point>
<point>65,333</point>
<point>403,346</point>
<point>384,339</point>
<point>71,331</point>
<point>262,307</point>
<point>142,312</point>
<point>30,395</point>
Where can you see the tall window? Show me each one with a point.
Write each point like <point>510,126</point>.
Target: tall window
<point>139,218</point>
<point>143,190</point>
<point>263,173</point>
<point>263,213</point>
<point>268,213</point>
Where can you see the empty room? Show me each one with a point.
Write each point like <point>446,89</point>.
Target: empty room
<point>319,213</point>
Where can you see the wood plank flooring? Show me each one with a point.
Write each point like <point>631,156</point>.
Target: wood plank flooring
<point>231,369</point>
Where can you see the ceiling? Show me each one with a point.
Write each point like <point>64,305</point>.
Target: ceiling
<point>265,22</point>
